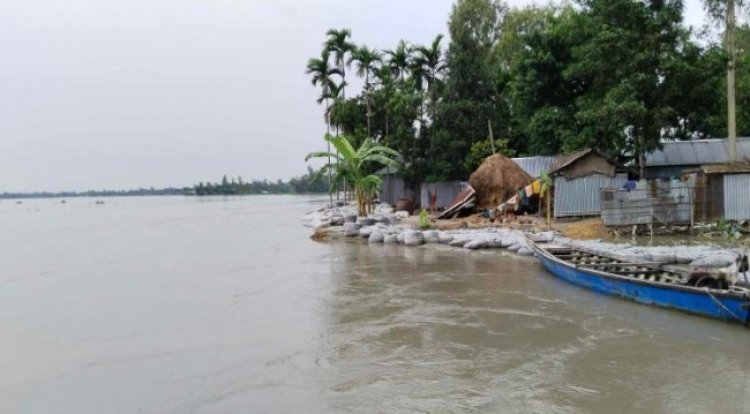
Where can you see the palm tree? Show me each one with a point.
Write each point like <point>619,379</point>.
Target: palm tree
<point>431,64</point>
<point>366,60</point>
<point>338,43</point>
<point>384,79</point>
<point>352,165</point>
<point>399,59</point>
<point>427,63</point>
<point>322,72</point>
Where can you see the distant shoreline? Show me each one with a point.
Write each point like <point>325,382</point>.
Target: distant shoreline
<point>133,193</point>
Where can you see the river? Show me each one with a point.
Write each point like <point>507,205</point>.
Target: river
<point>224,305</point>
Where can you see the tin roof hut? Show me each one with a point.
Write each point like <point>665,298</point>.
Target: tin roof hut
<point>580,177</point>
<point>496,180</point>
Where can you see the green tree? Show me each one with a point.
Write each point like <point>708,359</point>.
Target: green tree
<point>338,43</point>
<point>366,60</point>
<point>537,52</point>
<point>483,149</point>
<point>725,10</point>
<point>354,166</point>
<point>471,97</point>
<point>618,59</point>
<point>430,59</point>
<point>399,59</point>
<point>322,75</point>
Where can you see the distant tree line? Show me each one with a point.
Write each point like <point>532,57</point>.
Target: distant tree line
<point>619,75</point>
<point>308,183</point>
<point>97,193</point>
<point>311,182</point>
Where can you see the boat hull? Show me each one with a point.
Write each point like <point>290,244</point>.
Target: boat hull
<point>730,308</point>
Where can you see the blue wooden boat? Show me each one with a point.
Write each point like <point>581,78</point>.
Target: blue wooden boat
<point>695,292</point>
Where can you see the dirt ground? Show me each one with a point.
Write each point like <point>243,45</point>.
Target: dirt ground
<point>581,229</point>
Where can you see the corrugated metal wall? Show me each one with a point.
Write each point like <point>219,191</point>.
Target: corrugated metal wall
<point>580,196</point>
<point>446,191</point>
<point>737,197</point>
<point>394,188</point>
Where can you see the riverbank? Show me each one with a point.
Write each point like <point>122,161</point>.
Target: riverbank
<point>387,226</point>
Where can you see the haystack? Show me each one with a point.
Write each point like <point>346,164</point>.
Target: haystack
<point>496,180</point>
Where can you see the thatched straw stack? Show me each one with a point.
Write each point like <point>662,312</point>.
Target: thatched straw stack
<point>496,180</point>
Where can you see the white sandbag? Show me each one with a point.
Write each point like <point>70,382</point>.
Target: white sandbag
<point>444,238</point>
<point>390,238</point>
<point>376,237</point>
<point>721,259</point>
<point>366,231</point>
<point>400,237</point>
<point>457,243</point>
<point>351,229</point>
<point>413,238</point>
<point>507,242</point>
<point>476,244</point>
<point>525,251</point>
<point>431,236</point>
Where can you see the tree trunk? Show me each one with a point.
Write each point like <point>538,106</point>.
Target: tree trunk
<point>386,124</point>
<point>548,193</point>
<point>328,132</point>
<point>731,88</point>
<point>367,99</point>
<point>361,204</point>
<point>337,162</point>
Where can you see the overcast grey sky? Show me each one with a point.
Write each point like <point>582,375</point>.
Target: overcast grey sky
<point>129,93</point>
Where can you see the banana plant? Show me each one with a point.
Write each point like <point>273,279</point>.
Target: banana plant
<point>354,166</point>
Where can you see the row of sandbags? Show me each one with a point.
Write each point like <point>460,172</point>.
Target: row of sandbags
<point>513,240</point>
<point>339,214</point>
<point>709,256</point>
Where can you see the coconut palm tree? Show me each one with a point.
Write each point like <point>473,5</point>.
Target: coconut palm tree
<point>399,59</point>
<point>366,60</point>
<point>353,166</point>
<point>322,72</point>
<point>338,43</point>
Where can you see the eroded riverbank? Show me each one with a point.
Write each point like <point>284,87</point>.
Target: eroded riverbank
<point>388,227</point>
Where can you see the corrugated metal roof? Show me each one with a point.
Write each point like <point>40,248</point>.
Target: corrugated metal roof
<point>535,166</point>
<point>697,152</point>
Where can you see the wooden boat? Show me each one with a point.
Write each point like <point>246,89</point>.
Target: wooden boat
<point>697,292</point>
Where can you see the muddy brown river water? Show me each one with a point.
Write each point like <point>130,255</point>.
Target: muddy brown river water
<point>224,305</point>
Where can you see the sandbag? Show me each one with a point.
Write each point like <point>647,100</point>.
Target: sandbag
<point>390,238</point>
<point>413,238</point>
<point>376,237</point>
<point>457,243</point>
<point>351,229</point>
<point>444,238</point>
<point>476,244</point>
<point>431,236</point>
<point>525,251</point>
